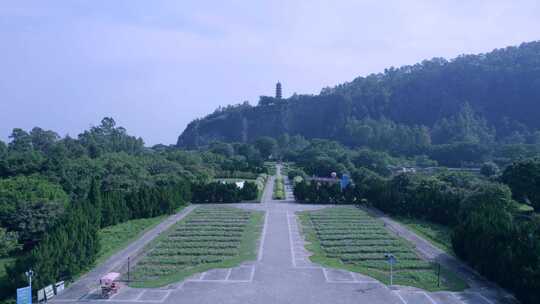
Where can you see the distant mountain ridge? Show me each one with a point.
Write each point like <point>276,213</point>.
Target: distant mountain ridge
<point>487,97</point>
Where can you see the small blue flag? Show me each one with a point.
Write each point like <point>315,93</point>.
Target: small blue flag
<point>345,181</point>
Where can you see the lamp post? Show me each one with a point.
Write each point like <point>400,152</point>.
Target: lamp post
<point>391,260</point>
<point>129,260</point>
<point>29,274</point>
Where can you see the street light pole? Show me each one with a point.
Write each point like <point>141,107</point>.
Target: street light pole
<point>438,275</point>
<point>29,274</point>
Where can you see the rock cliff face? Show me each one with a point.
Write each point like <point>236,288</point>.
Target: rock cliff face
<point>502,87</point>
<point>285,116</point>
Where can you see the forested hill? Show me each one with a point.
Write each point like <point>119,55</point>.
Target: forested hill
<point>485,98</point>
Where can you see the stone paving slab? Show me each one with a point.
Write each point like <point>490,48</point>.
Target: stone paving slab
<point>241,274</point>
<point>472,298</point>
<point>127,293</point>
<point>215,274</point>
<point>337,275</point>
<point>415,297</point>
<point>154,296</point>
<point>363,278</point>
<point>445,297</point>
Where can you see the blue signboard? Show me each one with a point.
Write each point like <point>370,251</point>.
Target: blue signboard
<point>344,181</point>
<point>24,295</point>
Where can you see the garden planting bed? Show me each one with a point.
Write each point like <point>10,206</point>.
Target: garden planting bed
<point>349,238</point>
<point>209,237</point>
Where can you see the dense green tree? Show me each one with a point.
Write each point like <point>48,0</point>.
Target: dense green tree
<point>525,276</point>
<point>43,140</point>
<point>94,203</point>
<point>317,192</point>
<point>193,162</point>
<point>294,172</point>
<point>3,149</point>
<point>23,162</point>
<point>76,175</point>
<point>378,162</point>
<point>65,251</point>
<point>459,179</point>
<point>465,126</point>
<point>322,157</point>
<point>8,242</point>
<point>21,141</point>
<point>251,154</point>
<point>523,177</point>
<point>506,154</point>
<point>266,145</point>
<point>122,172</point>
<point>486,212</point>
<point>459,154</point>
<point>489,169</point>
<point>368,185</point>
<point>384,134</point>
<point>30,206</point>
<point>218,192</point>
<point>74,148</point>
<point>249,192</point>
<point>222,148</point>
<point>488,234</point>
<point>108,138</point>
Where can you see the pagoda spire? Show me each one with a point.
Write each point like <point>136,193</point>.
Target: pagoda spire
<point>278,90</point>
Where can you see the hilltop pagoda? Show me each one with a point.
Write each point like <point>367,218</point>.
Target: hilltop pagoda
<point>278,90</point>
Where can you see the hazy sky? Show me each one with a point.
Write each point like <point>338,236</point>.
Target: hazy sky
<point>156,65</point>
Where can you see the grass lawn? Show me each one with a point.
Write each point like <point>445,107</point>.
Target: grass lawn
<point>348,238</point>
<point>4,292</point>
<point>438,235</point>
<point>208,238</point>
<point>114,238</point>
<point>524,208</point>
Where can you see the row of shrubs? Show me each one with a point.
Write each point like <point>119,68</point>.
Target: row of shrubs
<point>236,174</point>
<point>279,189</point>
<point>222,192</point>
<point>261,181</point>
<point>72,246</point>
<point>323,193</point>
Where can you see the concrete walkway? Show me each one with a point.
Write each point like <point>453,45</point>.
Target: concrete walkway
<point>281,274</point>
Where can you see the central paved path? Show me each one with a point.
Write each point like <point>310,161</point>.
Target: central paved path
<point>281,274</point>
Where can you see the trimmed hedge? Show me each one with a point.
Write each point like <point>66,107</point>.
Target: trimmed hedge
<point>225,193</point>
